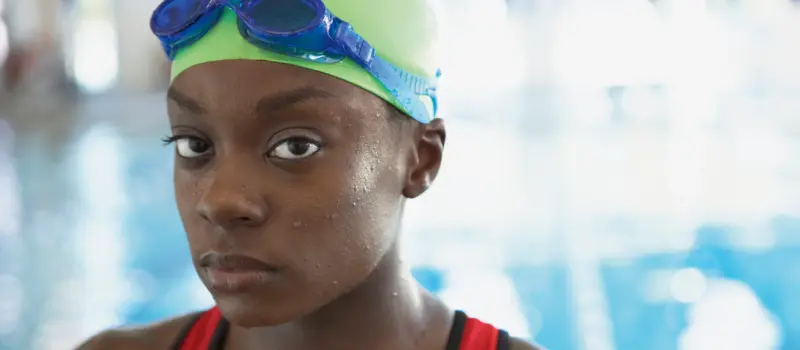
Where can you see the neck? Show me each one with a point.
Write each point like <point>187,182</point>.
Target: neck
<point>387,311</point>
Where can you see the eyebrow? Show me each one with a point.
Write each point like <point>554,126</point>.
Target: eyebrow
<point>264,106</point>
<point>185,102</point>
<point>287,99</point>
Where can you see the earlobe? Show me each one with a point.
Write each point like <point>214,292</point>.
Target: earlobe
<point>427,159</point>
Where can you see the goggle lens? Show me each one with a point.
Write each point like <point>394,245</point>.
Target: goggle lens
<point>173,16</point>
<point>282,16</point>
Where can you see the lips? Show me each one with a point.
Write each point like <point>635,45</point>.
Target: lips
<point>234,262</point>
<point>232,273</point>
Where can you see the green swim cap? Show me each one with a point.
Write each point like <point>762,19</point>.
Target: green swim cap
<point>403,32</point>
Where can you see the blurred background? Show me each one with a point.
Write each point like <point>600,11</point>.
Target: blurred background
<point>620,174</point>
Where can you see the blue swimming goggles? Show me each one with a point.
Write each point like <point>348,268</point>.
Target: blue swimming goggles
<point>300,28</point>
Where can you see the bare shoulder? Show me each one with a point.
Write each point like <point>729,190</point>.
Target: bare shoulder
<point>519,344</point>
<point>161,335</point>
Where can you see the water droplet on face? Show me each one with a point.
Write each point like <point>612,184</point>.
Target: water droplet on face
<point>335,282</point>
<point>317,265</point>
<point>297,224</point>
<point>394,294</point>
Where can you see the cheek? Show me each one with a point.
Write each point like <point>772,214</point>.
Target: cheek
<point>339,249</point>
<point>185,190</point>
<point>348,232</point>
<point>187,194</point>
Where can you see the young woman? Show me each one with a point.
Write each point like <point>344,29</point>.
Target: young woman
<point>298,140</point>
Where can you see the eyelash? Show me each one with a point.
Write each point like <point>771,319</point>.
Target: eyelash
<point>168,140</point>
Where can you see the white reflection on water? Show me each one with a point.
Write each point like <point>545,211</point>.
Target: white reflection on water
<point>10,208</point>
<point>11,290</point>
<point>11,301</point>
<point>729,316</point>
<point>496,302</point>
<point>99,176</point>
<point>688,285</point>
<point>95,64</point>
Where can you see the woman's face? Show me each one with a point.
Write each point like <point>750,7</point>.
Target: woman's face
<point>290,184</point>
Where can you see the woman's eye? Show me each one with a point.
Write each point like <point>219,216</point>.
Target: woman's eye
<point>192,147</point>
<point>295,148</point>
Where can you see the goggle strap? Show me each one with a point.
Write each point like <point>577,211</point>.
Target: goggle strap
<point>422,86</point>
<point>358,47</point>
<point>390,75</point>
<point>353,43</point>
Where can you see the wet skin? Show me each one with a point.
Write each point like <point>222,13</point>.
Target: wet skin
<point>291,184</point>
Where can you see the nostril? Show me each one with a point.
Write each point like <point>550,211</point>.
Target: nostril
<point>228,211</point>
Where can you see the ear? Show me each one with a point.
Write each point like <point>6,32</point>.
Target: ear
<point>426,158</point>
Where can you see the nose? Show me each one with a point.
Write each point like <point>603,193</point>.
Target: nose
<point>229,204</point>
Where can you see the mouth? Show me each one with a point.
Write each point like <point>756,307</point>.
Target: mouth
<point>230,273</point>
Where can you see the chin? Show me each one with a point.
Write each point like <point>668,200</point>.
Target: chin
<point>246,313</point>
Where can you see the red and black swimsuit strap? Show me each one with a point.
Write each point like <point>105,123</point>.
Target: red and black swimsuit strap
<point>198,334</point>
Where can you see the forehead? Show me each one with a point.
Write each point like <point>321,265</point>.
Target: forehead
<point>237,84</point>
